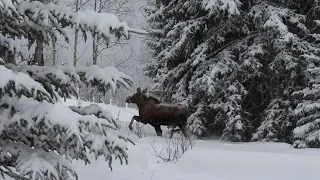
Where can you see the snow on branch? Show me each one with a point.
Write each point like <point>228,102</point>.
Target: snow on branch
<point>104,78</point>
<point>232,6</point>
<point>10,43</point>
<point>58,80</point>
<point>307,133</point>
<point>96,110</point>
<point>36,163</point>
<point>44,16</point>
<point>63,80</point>
<point>8,7</point>
<point>275,121</point>
<point>185,30</point>
<point>37,20</point>
<point>19,83</point>
<point>50,126</point>
<point>273,17</point>
<point>45,128</point>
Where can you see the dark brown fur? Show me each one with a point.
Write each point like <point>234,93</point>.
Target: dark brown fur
<point>155,113</point>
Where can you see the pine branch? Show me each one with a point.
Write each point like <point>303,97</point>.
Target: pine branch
<point>11,174</point>
<point>232,42</point>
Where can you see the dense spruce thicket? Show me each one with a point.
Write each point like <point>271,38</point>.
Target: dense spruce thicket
<point>249,68</point>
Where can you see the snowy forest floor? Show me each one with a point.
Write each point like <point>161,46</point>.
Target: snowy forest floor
<point>207,160</point>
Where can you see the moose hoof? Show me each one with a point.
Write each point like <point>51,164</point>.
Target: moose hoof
<point>159,134</point>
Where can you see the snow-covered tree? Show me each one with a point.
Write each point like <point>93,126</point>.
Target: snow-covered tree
<point>34,20</point>
<point>277,122</point>
<point>120,8</point>
<point>205,48</point>
<point>39,134</point>
<point>307,132</point>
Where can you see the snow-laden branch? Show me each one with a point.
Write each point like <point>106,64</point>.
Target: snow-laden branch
<point>10,44</point>
<point>63,80</point>
<point>108,77</point>
<point>43,138</point>
<point>137,31</point>
<point>273,17</point>
<point>232,6</point>
<point>8,7</point>
<point>96,110</point>
<point>31,129</point>
<point>36,163</point>
<point>37,20</point>
<point>20,83</point>
<point>103,23</point>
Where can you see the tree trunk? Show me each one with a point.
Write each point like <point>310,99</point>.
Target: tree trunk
<point>94,41</point>
<point>54,50</point>
<point>94,49</point>
<point>75,39</point>
<point>75,47</point>
<point>11,58</point>
<point>38,55</point>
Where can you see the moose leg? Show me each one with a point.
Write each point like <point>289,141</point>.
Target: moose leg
<point>185,132</point>
<point>158,130</point>
<point>172,132</point>
<point>137,118</point>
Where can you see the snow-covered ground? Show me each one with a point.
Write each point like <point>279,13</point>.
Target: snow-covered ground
<point>207,160</point>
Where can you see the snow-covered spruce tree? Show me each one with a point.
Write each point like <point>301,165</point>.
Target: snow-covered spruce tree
<point>301,57</point>
<point>307,112</point>
<point>39,134</point>
<point>277,122</point>
<point>204,48</point>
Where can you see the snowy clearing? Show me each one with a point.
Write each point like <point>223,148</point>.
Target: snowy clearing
<point>207,160</point>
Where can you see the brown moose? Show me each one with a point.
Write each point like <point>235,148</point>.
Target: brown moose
<point>156,113</point>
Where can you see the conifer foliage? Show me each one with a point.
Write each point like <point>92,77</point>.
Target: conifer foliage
<point>248,68</point>
<point>39,134</point>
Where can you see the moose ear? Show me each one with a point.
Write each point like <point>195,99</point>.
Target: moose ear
<point>144,91</point>
<point>138,89</point>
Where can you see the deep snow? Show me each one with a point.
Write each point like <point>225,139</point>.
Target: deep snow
<point>207,160</point>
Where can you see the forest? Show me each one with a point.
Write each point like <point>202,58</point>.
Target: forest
<point>248,71</point>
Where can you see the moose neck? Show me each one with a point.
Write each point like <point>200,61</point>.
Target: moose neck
<point>141,104</point>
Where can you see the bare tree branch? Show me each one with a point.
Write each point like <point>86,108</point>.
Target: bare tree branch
<point>126,59</point>
<point>85,50</point>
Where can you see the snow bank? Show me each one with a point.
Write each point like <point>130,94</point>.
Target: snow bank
<point>212,160</point>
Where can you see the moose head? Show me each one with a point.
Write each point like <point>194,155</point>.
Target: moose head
<point>138,97</point>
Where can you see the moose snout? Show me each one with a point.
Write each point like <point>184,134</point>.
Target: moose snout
<point>128,100</point>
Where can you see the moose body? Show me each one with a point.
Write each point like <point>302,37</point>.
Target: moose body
<point>156,113</point>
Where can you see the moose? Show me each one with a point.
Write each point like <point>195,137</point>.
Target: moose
<point>156,113</point>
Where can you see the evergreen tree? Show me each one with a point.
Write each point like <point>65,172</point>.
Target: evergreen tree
<point>39,134</point>
<point>277,124</point>
<point>243,65</point>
